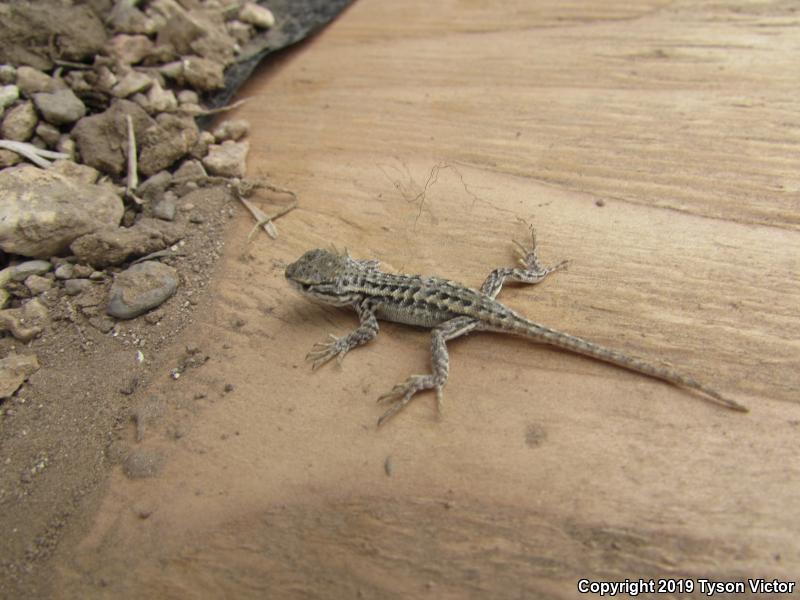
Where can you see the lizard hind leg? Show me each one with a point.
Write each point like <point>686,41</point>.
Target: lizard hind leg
<point>532,270</point>
<point>402,393</point>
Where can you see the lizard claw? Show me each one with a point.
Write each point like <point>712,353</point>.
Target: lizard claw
<point>322,352</point>
<point>402,393</point>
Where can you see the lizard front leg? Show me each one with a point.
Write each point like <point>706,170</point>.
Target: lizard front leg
<point>532,271</point>
<point>402,393</point>
<point>322,352</point>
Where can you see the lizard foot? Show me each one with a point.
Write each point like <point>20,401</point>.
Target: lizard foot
<point>528,257</point>
<point>402,393</point>
<point>322,352</point>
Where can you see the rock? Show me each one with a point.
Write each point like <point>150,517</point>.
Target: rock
<point>131,83</point>
<point>190,169</point>
<point>203,74</point>
<point>20,122</point>
<point>14,370</point>
<point>9,158</point>
<point>241,32</point>
<point>82,271</point>
<point>8,74</point>
<point>73,287</point>
<point>165,208</point>
<point>160,100</point>
<point>38,284</point>
<point>173,70</point>
<point>61,107</point>
<point>31,81</point>
<point>254,14</point>
<point>30,267</point>
<point>154,186</point>
<point>78,82</point>
<point>75,171</point>
<point>188,97</point>
<point>141,287</point>
<point>104,79</point>
<point>171,232</point>
<point>172,138</point>
<point>8,95</point>
<point>195,32</point>
<point>26,322</point>
<point>235,129</point>
<point>142,463</point>
<point>115,245</point>
<point>49,133</point>
<point>129,49</point>
<point>65,271</point>
<point>200,149</point>
<point>35,32</point>
<point>67,146</point>
<point>102,139</point>
<point>227,159</point>
<point>43,212</point>
<point>126,18</point>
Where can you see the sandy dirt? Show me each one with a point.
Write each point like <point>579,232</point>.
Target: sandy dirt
<point>249,476</point>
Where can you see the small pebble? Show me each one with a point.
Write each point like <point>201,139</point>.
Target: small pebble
<point>234,129</point>
<point>81,271</point>
<point>8,74</point>
<point>165,209</point>
<point>8,95</point>
<point>30,267</point>
<point>188,97</point>
<point>38,284</point>
<point>73,287</point>
<point>254,14</point>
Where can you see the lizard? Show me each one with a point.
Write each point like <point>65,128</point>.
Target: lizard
<point>449,310</point>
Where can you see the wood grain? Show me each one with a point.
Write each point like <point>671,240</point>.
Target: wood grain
<point>656,145</point>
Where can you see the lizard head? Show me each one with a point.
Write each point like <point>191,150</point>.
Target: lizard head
<point>317,274</point>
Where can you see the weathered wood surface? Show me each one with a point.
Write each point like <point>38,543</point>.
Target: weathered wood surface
<point>681,119</point>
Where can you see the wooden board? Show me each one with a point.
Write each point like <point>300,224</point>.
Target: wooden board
<point>656,145</point>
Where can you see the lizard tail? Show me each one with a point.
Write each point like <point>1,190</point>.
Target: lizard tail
<point>545,335</point>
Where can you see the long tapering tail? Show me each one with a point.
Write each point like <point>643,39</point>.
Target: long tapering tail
<point>545,335</point>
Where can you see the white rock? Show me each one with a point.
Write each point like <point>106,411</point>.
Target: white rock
<point>227,159</point>
<point>42,212</point>
<point>259,16</point>
<point>188,97</point>
<point>8,95</point>
<point>161,100</point>
<point>233,129</point>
